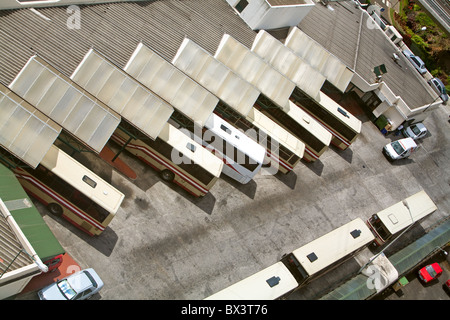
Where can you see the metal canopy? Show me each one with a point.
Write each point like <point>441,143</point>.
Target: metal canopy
<point>171,84</point>
<point>319,58</point>
<point>24,131</point>
<point>255,70</point>
<point>216,77</point>
<point>133,101</point>
<point>288,63</point>
<point>62,100</point>
<point>277,132</point>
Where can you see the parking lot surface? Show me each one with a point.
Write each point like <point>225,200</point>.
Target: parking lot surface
<point>166,244</point>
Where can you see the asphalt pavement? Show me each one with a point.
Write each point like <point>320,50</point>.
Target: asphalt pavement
<point>164,244</point>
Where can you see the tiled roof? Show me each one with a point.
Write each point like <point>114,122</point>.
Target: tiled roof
<point>115,30</point>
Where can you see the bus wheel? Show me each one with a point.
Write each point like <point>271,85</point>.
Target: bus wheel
<point>167,175</point>
<point>55,209</point>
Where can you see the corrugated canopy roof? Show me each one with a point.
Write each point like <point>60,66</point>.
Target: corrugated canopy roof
<point>24,131</point>
<point>255,70</point>
<point>216,77</point>
<point>171,84</point>
<point>59,98</point>
<point>319,58</point>
<point>136,103</point>
<point>288,63</point>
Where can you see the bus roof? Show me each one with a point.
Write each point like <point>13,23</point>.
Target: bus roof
<point>312,125</point>
<point>257,287</point>
<point>74,173</point>
<point>398,217</point>
<point>277,132</point>
<point>334,108</point>
<point>236,137</point>
<point>329,248</point>
<point>191,149</point>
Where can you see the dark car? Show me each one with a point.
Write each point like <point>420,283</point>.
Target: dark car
<point>439,87</point>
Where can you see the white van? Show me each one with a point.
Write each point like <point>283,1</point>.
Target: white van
<point>400,149</point>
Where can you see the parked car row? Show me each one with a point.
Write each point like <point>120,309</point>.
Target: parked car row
<point>403,148</point>
<point>435,83</point>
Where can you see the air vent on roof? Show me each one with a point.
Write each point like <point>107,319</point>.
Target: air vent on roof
<point>224,128</point>
<point>89,181</point>
<point>343,112</point>
<point>355,233</point>
<point>272,282</point>
<point>312,257</point>
<point>190,146</point>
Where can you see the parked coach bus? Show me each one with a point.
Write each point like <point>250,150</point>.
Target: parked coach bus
<point>315,137</point>
<point>283,150</point>
<point>196,170</point>
<point>344,126</point>
<point>302,265</point>
<point>242,156</point>
<point>391,221</point>
<point>327,252</point>
<point>72,191</point>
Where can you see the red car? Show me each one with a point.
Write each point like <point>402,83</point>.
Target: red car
<point>447,286</point>
<point>430,272</point>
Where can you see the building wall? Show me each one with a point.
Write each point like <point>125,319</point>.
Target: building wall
<point>258,14</point>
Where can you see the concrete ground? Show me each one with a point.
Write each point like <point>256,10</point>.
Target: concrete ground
<point>165,244</point>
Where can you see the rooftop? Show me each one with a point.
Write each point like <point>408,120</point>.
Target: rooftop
<point>114,30</point>
<point>348,32</point>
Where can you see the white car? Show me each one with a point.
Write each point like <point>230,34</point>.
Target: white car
<point>416,61</point>
<point>399,149</point>
<point>78,286</point>
<point>415,131</point>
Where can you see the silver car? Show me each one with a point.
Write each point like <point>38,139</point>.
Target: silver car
<point>439,87</point>
<point>416,61</point>
<point>415,131</point>
<point>78,286</point>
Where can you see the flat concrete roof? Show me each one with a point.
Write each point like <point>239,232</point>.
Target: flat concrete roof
<point>347,32</point>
